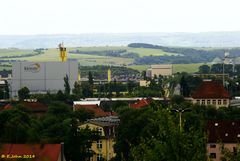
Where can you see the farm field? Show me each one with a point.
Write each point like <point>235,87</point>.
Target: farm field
<point>15,52</point>
<point>91,60</point>
<point>189,68</point>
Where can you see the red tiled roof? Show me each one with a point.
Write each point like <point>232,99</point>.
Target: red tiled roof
<point>98,112</point>
<point>141,103</point>
<point>211,89</point>
<point>226,131</point>
<point>46,152</point>
<point>32,106</point>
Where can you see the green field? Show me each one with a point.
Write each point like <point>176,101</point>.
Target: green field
<point>189,68</point>
<point>15,52</point>
<point>90,60</point>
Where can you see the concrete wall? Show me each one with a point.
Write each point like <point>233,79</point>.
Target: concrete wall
<point>43,76</point>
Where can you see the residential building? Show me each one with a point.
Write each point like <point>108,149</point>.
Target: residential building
<point>106,126</point>
<point>92,106</point>
<point>163,69</point>
<point>222,132</point>
<point>211,93</point>
<point>35,152</point>
<point>36,108</point>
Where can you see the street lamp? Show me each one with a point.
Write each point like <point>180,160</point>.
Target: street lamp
<point>180,111</point>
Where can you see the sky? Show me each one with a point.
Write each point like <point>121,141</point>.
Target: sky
<point>30,17</point>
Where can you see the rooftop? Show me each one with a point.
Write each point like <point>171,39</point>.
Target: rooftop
<point>38,152</point>
<point>211,89</point>
<point>224,131</point>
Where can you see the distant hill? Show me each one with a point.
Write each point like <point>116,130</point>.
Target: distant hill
<point>207,39</point>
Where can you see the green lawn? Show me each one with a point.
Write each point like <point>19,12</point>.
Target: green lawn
<point>189,68</point>
<point>15,52</point>
<point>150,52</point>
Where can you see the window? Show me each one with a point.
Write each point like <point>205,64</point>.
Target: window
<point>198,102</point>
<point>99,157</point>
<point>212,155</point>
<point>212,145</point>
<point>225,102</point>
<point>203,102</point>
<point>219,102</point>
<point>99,131</point>
<point>99,144</point>
<point>214,102</point>
<point>208,102</point>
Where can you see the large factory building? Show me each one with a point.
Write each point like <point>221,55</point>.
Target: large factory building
<point>42,77</point>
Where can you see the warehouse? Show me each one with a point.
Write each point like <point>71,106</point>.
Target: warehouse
<point>42,77</point>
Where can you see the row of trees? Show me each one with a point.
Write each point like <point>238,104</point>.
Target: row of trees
<point>153,133</point>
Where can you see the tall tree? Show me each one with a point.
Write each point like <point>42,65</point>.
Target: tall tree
<point>6,89</point>
<point>90,78</point>
<point>184,87</point>
<point>23,93</point>
<point>67,88</point>
<point>204,69</point>
<point>77,90</point>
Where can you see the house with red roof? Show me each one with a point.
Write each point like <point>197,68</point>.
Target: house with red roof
<point>222,132</point>
<point>141,103</point>
<point>36,108</point>
<point>34,152</point>
<point>92,106</point>
<point>211,93</point>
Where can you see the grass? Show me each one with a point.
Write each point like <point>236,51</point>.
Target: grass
<point>150,52</point>
<point>14,52</point>
<point>84,59</point>
<point>189,68</point>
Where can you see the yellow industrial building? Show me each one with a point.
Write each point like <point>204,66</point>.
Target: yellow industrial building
<point>106,126</point>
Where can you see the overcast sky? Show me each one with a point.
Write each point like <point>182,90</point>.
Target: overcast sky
<point>117,16</point>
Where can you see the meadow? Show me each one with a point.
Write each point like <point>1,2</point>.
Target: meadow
<point>91,60</point>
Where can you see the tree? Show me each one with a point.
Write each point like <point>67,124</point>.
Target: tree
<point>90,78</point>
<point>130,86</point>
<point>66,85</point>
<point>228,155</point>
<point>151,134</point>
<point>87,90</point>
<point>6,89</point>
<point>23,93</point>
<point>77,90</point>
<point>184,87</point>
<point>204,69</point>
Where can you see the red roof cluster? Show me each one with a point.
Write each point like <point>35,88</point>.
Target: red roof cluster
<point>98,112</point>
<point>32,106</point>
<point>36,152</point>
<point>211,89</point>
<point>224,131</point>
<point>141,103</point>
